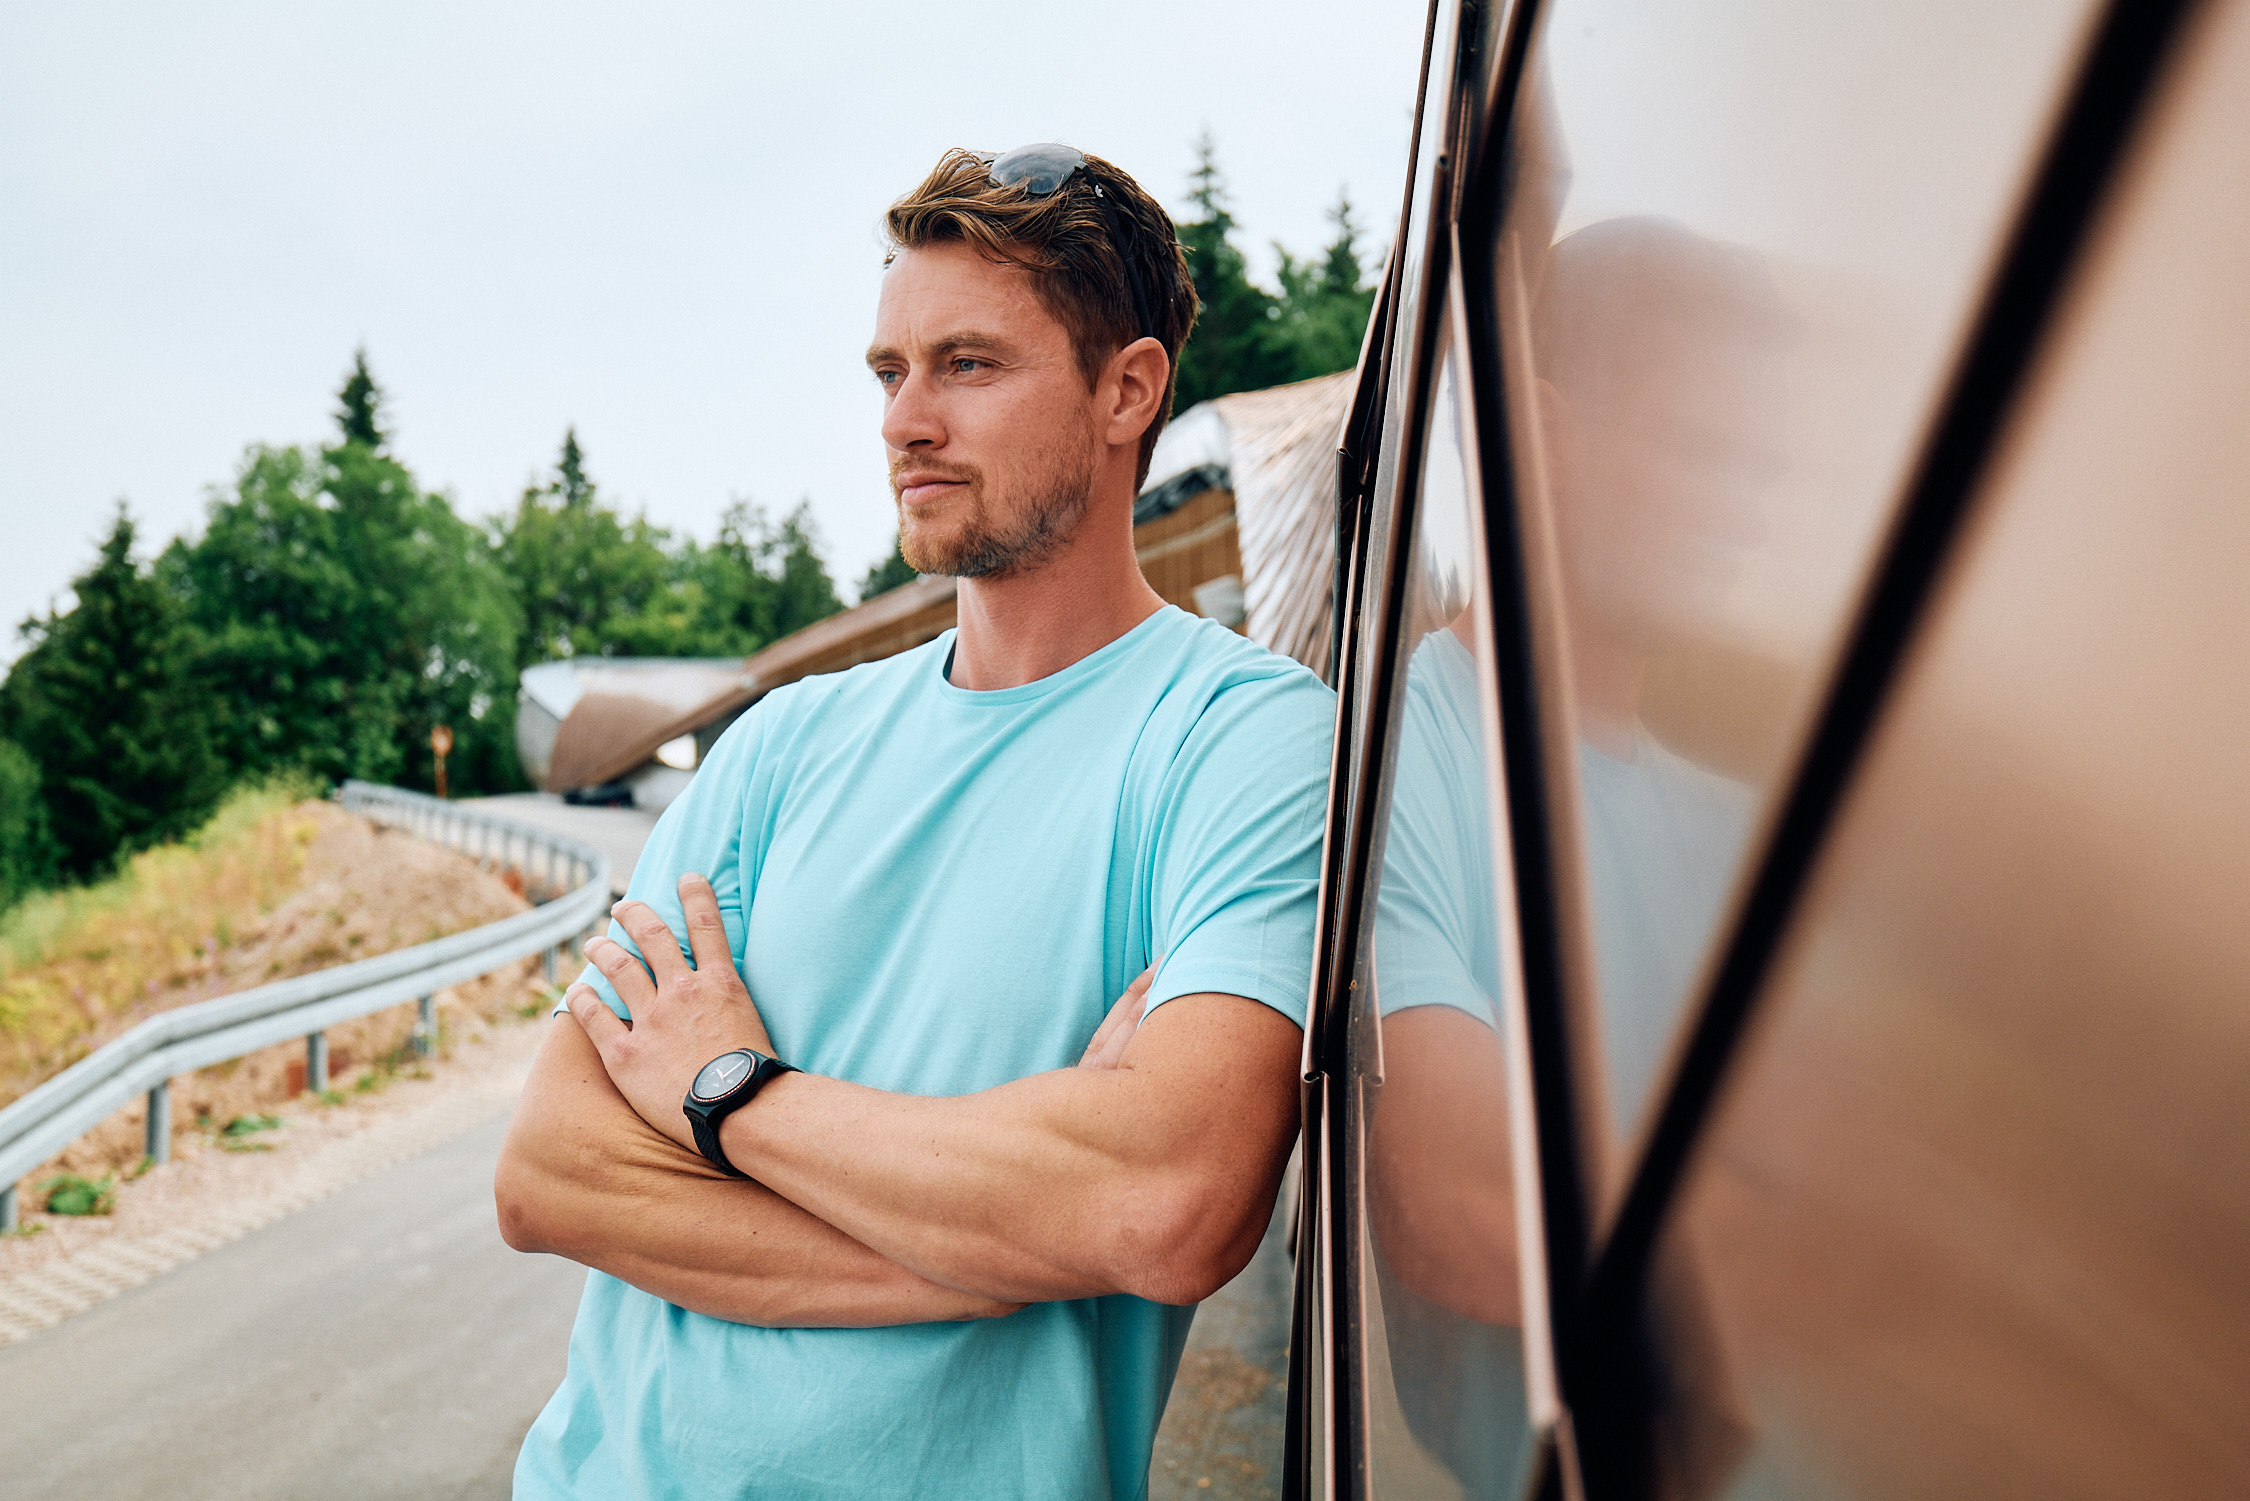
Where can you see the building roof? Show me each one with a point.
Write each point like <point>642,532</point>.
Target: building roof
<point>1282,464</point>
<point>626,707</point>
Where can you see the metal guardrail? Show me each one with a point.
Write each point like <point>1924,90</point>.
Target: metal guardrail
<point>181,1041</point>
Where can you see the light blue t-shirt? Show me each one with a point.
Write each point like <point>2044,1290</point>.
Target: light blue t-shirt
<point>936,891</point>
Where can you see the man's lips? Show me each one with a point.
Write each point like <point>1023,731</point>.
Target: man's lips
<point>923,489</point>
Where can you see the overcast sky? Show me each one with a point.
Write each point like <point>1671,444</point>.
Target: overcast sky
<point>656,222</point>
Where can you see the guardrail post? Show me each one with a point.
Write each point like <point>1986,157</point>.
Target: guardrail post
<point>7,1209</point>
<point>425,1025</point>
<point>316,1062</point>
<point>157,1140</point>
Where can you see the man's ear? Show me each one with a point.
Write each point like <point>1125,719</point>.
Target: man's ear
<point>1140,374</point>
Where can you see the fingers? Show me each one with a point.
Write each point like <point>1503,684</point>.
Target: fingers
<point>1112,1021</point>
<point>1101,1033</point>
<point>592,1013</point>
<point>623,970</point>
<point>706,929</point>
<point>1117,1028</point>
<point>660,947</point>
<point>1112,1054</point>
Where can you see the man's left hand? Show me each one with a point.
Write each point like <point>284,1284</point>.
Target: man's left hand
<point>683,1015</point>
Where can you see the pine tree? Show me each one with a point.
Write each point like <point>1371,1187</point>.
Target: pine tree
<point>344,611</point>
<point>1325,303</point>
<point>574,566</point>
<point>887,575</point>
<point>571,485</point>
<point>1237,345</point>
<point>27,849</point>
<point>361,415</point>
<point>108,704</point>
<point>803,591</point>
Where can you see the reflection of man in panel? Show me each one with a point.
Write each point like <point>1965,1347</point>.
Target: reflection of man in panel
<point>961,1259</point>
<point>1439,1183</point>
<point>1656,389</point>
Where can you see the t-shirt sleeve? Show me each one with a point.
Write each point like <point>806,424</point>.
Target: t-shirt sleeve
<point>1435,917</point>
<point>1237,869</point>
<point>701,832</point>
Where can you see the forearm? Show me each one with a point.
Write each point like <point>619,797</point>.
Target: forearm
<point>1154,1178</point>
<point>583,1176</point>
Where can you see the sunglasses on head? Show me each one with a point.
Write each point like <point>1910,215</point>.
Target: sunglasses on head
<point>1044,168</point>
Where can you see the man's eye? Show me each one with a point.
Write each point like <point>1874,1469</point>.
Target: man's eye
<point>969,366</point>
<point>886,378</point>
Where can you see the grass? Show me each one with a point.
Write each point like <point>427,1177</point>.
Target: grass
<point>67,1193</point>
<point>405,1061</point>
<point>549,996</point>
<point>239,1134</point>
<point>74,961</point>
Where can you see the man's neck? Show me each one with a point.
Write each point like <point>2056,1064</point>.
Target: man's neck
<point>1019,627</point>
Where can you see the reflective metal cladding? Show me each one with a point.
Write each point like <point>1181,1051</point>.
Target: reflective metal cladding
<point>1786,994</point>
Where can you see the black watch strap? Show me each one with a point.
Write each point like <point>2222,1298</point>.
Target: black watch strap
<point>706,1113</point>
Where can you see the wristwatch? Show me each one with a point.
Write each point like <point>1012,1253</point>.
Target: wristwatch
<point>723,1086</point>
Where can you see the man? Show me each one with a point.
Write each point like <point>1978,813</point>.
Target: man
<point>973,1223</point>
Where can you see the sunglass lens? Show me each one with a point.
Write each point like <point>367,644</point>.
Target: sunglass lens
<point>1041,168</point>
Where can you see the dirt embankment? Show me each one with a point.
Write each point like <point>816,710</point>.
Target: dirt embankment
<point>354,890</point>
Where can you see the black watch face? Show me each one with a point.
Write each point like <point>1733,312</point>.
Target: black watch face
<point>721,1074</point>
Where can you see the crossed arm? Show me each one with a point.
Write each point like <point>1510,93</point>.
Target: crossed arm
<point>1148,1169</point>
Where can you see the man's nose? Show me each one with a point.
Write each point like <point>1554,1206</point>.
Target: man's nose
<point>912,418</point>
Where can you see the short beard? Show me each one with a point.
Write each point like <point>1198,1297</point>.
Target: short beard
<point>982,550</point>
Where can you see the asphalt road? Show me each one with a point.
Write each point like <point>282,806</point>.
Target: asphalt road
<point>381,1343</point>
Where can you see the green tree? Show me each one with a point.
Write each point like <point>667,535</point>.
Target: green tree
<point>108,706</point>
<point>1238,344</point>
<point>574,566</point>
<point>344,612</point>
<point>27,848</point>
<point>756,583</point>
<point>271,589</point>
<point>887,575</point>
<point>361,414</point>
<point>802,590</point>
<point>1325,303</point>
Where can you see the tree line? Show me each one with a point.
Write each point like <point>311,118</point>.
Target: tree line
<point>333,610</point>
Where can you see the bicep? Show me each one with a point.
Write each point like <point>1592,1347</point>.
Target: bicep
<point>1217,1086</point>
<point>1440,1180</point>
